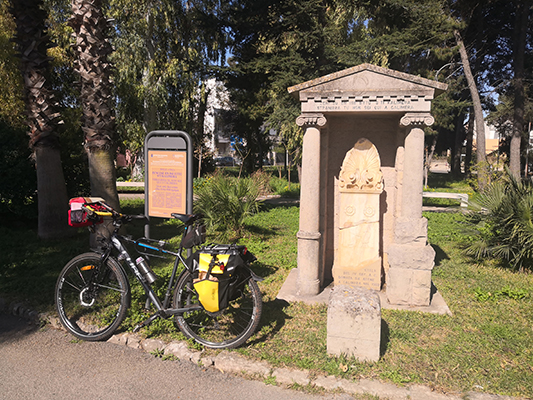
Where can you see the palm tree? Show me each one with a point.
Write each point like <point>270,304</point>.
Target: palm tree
<point>98,120</point>
<point>506,226</point>
<point>42,120</point>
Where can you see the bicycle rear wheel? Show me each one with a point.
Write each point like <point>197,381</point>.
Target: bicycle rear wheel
<point>225,329</point>
<point>92,299</point>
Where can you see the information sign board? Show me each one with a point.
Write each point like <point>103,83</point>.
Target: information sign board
<point>167,182</point>
<point>168,174</point>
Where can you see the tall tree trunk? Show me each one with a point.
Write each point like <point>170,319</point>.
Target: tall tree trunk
<point>32,43</point>
<point>98,121</point>
<point>521,25</point>
<point>51,193</point>
<point>479,125</point>
<point>429,158</point>
<point>458,145</point>
<point>205,91</point>
<point>469,144</point>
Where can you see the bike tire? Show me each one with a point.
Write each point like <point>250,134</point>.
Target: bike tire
<point>225,329</point>
<point>92,310</point>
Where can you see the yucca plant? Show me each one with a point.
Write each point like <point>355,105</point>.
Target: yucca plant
<point>505,225</point>
<point>225,203</point>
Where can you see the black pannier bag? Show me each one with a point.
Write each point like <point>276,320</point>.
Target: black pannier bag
<point>218,278</point>
<point>195,237</point>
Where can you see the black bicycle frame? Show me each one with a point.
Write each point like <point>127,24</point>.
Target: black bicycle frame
<point>163,310</point>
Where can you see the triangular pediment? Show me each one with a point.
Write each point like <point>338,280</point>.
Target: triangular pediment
<point>367,79</point>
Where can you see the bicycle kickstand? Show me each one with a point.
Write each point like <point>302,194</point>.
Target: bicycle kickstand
<point>158,314</point>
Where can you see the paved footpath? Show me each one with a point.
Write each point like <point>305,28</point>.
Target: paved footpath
<point>47,363</point>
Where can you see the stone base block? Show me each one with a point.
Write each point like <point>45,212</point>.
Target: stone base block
<point>411,230</point>
<point>411,287</point>
<point>354,323</point>
<point>409,275</point>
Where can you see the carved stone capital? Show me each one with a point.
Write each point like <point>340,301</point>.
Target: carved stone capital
<point>313,119</point>
<point>361,169</point>
<point>417,119</point>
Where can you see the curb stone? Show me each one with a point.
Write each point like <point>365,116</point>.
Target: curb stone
<point>388,390</point>
<point>229,362</point>
<point>153,345</point>
<point>288,377</point>
<point>484,396</point>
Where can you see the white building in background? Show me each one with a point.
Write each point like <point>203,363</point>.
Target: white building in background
<point>492,138</point>
<point>217,133</point>
<point>218,102</point>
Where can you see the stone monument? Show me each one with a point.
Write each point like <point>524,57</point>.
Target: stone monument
<point>389,109</point>
<point>357,261</point>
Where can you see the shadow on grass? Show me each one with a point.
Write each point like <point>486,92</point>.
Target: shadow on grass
<point>440,254</point>
<point>274,317</point>
<point>443,180</point>
<point>385,338</point>
<point>263,270</point>
<point>265,233</point>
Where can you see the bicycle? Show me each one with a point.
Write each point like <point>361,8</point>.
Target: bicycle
<point>215,299</point>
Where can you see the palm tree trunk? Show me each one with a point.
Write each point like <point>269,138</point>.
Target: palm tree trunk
<point>51,194</point>
<point>98,120</point>
<point>42,120</point>
<point>103,177</point>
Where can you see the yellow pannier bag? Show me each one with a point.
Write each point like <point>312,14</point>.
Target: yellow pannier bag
<point>213,281</point>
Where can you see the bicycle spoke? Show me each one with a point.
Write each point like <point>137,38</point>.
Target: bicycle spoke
<point>92,311</point>
<point>224,329</point>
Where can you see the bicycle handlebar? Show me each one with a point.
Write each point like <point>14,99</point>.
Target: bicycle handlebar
<point>101,209</point>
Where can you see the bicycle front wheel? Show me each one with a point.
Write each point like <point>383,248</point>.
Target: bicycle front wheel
<point>92,298</point>
<point>225,329</point>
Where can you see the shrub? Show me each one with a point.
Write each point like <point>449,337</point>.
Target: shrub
<point>17,173</point>
<point>505,224</point>
<point>226,202</point>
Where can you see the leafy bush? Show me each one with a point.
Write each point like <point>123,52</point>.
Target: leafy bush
<point>18,179</point>
<point>226,202</point>
<point>505,224</point>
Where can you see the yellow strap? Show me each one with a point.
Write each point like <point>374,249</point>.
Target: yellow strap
<point>99,213</point>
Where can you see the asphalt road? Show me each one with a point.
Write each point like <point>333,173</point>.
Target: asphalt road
<point>48,364</point>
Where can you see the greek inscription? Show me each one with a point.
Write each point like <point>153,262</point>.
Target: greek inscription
<point>368,105</point>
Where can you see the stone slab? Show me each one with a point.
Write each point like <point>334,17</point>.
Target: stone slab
<point>463,197</point>
<point>354,323</point>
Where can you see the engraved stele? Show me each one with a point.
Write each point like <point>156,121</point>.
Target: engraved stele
<point>361,169</point>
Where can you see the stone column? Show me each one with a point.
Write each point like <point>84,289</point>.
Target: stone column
<point>410,226</point>
<point>309,234</point>
<point>410,257</point>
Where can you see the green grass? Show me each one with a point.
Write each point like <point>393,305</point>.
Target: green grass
<point>443,183</point>
<point>487,345</point>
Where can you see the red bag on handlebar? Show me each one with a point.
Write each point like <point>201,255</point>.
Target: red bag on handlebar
<point>79,218</point>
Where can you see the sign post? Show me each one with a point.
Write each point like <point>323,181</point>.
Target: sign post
<point>168,175</point>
